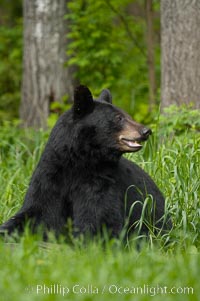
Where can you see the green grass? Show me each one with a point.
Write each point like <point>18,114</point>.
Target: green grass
<point>169,273</point>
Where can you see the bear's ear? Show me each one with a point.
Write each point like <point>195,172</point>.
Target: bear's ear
<point>105,96</point>
<point>83,101</point>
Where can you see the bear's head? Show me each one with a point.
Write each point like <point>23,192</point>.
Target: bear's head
<point>101,130</point>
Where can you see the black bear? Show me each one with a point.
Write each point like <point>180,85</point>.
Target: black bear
<point>83,176</point>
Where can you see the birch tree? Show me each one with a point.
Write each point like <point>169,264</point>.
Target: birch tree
<point>45,78</point>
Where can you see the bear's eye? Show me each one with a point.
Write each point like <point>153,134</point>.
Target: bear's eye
<point>119,118</point>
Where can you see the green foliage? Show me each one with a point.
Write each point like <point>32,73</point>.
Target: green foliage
<point>10,70</point>
<point>19,152</point>
<point>10,12</point>
<point>102,59</point>
<point>179,119</point>
<point>56,109</point>
<point>108,47</point>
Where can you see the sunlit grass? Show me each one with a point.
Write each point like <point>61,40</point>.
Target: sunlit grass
<point>174,164</point>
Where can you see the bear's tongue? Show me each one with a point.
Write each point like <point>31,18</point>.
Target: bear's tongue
<point>131,143</point>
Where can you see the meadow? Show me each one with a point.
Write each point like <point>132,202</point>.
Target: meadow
<point>165,267</point>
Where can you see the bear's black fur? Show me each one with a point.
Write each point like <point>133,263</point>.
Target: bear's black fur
<point>82,175</point>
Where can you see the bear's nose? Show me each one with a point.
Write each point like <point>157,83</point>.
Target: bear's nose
<point>145,132</point>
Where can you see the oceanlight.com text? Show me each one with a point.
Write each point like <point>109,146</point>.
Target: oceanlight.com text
<point>112,289</point>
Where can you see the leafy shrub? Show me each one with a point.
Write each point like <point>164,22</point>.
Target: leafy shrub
<point>10,70</point>
<point>178,120</point>
<point>56,109</point>
<point>107,44</point>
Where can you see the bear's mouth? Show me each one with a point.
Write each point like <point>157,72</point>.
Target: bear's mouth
<point>131,136</point>
<point>131,144</point>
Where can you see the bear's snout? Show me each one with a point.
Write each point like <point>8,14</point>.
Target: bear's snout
<point>145,132</point>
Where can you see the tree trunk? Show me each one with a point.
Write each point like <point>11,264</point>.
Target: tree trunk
<point>150,52</point>
<point>45,78</point>
<point>180,25</point>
